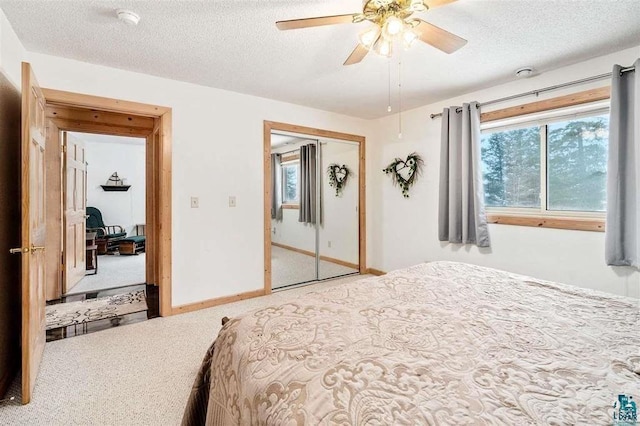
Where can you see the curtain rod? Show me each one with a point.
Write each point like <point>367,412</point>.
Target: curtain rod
<point>547,89</point>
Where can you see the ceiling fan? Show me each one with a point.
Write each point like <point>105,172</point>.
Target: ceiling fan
<point>393,22</point>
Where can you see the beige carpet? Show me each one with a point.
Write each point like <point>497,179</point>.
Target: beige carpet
<point>113,271</point>
<point>139,374</point>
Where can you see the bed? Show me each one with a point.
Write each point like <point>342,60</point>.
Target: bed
<point>437,343</point>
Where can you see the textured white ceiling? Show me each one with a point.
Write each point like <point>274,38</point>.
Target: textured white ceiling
<point>234,45</point>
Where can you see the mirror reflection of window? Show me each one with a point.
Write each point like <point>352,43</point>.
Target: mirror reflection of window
<point>290,179</point>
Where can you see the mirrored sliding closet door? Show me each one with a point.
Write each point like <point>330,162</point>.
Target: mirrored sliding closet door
<point>314,209</point>
<point>338,247</point>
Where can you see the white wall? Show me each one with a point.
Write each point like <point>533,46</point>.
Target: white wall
<point>408,228</point>
<point>217,250</point>
<point>11,51</point>
<point>292,233</point>
<point>118,208</point>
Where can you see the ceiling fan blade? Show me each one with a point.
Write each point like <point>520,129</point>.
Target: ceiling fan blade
<point>357,55</point>
<point>295,24</point>
<point>435,3</point>
<point>438,38</point>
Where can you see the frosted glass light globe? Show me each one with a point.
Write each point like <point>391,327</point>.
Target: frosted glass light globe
<point>393,26</point>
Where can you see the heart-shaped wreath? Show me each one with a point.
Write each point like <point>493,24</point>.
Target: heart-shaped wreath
<point>405,172</point>
<point>338,176</point>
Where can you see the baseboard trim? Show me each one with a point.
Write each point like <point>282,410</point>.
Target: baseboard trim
<point>376,272</point>
<point>190,307</point>
<point>310,253</point>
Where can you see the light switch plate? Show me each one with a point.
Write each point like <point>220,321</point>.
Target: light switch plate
<point>232,201</point>
<point>195,202</point>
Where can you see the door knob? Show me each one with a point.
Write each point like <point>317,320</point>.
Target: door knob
<point>31,249</point>
<point>19,250</point>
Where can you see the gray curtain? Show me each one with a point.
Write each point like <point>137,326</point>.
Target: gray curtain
<point>276,187</point>
<point>308,198</point>
<point>461,216</point>
<point>622,239</point>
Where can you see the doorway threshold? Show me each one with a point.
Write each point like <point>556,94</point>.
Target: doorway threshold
<point>90,294</point>
<point>88,315</point>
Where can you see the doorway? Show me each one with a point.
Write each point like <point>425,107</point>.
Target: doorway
<point>314,205</point>
<point>103,282</point>
<point>93,118</point>
<point>87,236</point>
<point>109,173</point>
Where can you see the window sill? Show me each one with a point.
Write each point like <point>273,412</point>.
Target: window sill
<point>557,222</point>
<point>291,206</point>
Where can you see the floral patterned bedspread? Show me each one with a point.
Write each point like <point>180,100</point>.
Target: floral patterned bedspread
<point>437,343</point>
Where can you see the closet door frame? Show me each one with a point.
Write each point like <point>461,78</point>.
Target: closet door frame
<point>314,133</point>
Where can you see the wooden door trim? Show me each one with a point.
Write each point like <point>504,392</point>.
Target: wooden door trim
<point>268,127</point>
<point>579,98</point>
<point>98,103</point>
<point>93,114</point>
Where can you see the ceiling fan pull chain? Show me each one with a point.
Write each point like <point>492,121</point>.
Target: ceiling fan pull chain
<point>389,94</point>
<point>400,96</point>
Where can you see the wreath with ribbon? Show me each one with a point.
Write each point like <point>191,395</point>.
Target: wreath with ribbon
<point>405,172</point>
<point>338,177</point>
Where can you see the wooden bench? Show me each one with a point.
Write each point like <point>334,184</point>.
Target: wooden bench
<point>132,245</point>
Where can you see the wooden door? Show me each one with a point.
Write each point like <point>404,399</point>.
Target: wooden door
<point>74,208</point>
<point>33,230</point>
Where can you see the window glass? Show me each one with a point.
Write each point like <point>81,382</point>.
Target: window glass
<point>511,167</point>
<point>577,164</point>
<point>290,183</point>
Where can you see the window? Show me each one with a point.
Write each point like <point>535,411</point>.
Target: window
<point>553,166</point>
<point>290,179</point>
<point>511,167</point>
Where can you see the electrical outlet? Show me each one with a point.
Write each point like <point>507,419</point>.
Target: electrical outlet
<point>329,244</point>
<point>195,202</point>
<point>232,201</point>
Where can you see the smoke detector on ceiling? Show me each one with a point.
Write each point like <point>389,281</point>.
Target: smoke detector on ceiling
<point>128,17</point>
<point>525,72</point>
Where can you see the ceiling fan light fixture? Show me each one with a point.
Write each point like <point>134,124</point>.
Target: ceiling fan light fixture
<point>369,37</point>
<point>392,27</point>
<point>384,47</point>
<point>418,6</point>
<point>408,37</point>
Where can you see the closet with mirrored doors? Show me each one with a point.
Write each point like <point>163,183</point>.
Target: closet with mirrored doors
<point>315,184</point>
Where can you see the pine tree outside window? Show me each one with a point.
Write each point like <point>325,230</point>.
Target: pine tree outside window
<point>290,180</point>
<point>552,164</point>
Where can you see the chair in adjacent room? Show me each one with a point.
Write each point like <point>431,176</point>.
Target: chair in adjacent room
<point>108,235</point>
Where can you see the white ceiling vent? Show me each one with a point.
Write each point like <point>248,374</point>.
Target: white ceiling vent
<point>128,17</point>
<point>525,72</point>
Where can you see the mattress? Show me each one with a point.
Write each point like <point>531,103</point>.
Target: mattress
<point>437,343</point>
